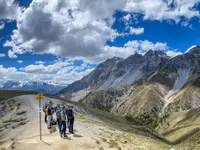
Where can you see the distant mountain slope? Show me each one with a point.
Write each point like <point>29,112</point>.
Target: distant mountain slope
<point>116,72</point>
<point>163,87</point>
<point>31,86</point>
<point>186,98</point>
<point>143,102</point>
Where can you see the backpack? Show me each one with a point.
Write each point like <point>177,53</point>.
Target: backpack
<point>58,114</point>
<point>44,109</point>
<point>63,115</point>
<point>70,114</point>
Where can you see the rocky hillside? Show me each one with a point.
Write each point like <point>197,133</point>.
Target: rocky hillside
<point>94,129</point>
<point>117,72</point>
<point>147,88</point>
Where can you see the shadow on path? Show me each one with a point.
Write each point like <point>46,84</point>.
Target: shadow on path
<point>77,135</point>
<point>46,143</point>
<point>67,138</point>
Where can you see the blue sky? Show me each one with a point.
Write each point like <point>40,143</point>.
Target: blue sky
<point>62,41</point>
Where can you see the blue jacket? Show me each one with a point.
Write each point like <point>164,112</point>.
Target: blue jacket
<point>58,113</point>
<point>70,113</point>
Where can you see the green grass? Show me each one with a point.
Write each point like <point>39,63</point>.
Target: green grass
<point>178,133</point>
<point>9,94</point>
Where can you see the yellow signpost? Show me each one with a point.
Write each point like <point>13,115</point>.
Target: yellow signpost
<point>40,97</point>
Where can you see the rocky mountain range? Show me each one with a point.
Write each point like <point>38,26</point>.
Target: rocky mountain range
<point>43,87</point>
<point>117,71</point>
<point>149,88</point>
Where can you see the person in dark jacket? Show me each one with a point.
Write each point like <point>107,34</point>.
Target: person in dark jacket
<point>70,118</point>
<point>50,112</point>
<point>45,107</point>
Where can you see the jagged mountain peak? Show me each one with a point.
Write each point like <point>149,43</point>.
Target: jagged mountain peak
<point>195,50</point>
<point>115,59</point>
<point>189,60</point>
<point>117,71</point>
<point>109,62</point>
<point>155,53</point>
<point>149,53</point>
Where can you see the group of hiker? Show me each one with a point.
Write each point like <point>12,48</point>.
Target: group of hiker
<point>64,115</point>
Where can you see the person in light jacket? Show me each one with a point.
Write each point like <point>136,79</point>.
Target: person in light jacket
<point>63,122</point>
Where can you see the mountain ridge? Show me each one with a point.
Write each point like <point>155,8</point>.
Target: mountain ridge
<point>48,88</point>
<point>163,86</point>
<point>117,71</point>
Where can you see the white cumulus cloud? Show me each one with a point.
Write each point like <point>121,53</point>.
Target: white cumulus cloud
<point>40,62</point>
<point>61,72</point>
<point>2,55</point>
<point>136,31</point>
<point>9,9</point>
<point>164,10</point>
<point>11,54</point>
<point>61,30</point>
<point>20,61</point>
<point>173,53</point>
<point>2,26</point>
<point>141,46</point>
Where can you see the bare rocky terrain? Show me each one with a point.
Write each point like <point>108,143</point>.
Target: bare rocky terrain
<point>94,129</point>
<point>161,93</point>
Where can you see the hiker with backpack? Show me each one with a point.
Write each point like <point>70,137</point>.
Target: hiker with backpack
<point>45,108</point>
<point>50,112</point>
<point>63,122</point>
<point>58,116</point>
<point>70,119</point>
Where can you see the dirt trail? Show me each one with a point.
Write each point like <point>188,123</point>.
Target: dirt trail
<point>89,134</point>
<point>86,137</point>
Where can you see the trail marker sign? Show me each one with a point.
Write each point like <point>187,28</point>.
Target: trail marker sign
<point>40,97</point>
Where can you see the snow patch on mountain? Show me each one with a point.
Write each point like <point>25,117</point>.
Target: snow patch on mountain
<point>126,79</point>
<point>183,76</point>
<point>190,48</point>
<point>78,95</point>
